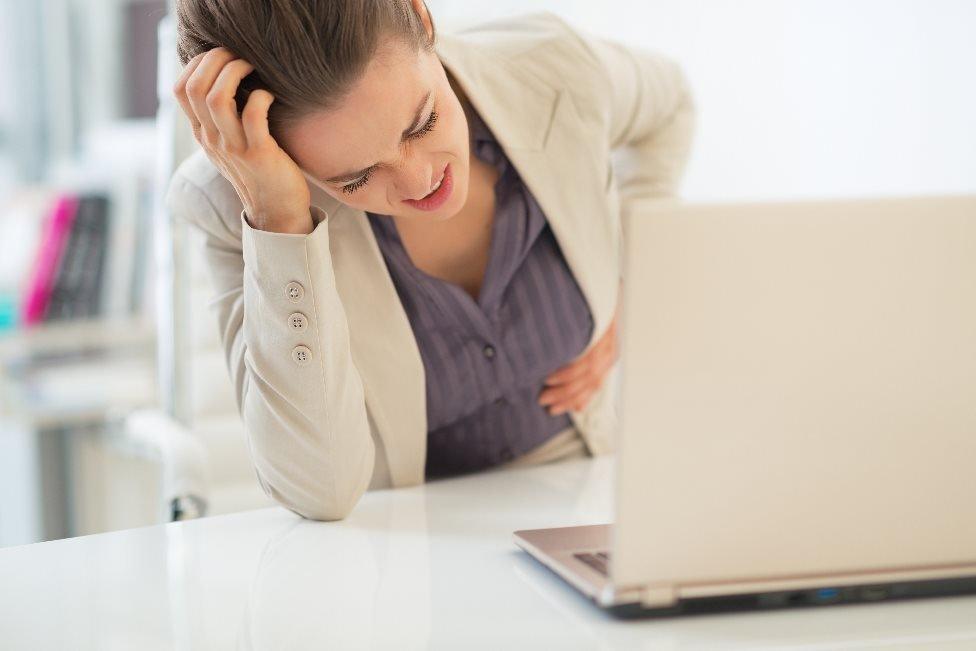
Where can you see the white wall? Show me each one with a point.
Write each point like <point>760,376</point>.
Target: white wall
<point>805,98</point>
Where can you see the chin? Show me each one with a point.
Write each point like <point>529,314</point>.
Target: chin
<point>459,200</point>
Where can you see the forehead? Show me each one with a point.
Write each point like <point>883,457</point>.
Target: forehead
<point>366,127</point>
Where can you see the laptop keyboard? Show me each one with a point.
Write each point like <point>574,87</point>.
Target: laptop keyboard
<point>596,560</point>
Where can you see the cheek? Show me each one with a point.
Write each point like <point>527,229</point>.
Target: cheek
<point>358,200</point>
<point>451,130</point>
<point>373,197</point>
<point>458,129</point>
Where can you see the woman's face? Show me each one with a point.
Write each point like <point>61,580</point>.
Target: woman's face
<point>391,139</point>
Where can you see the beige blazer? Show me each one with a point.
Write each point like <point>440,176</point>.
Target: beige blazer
<point>590,124</point>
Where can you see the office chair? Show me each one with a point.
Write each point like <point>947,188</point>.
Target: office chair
<point>197,432</point>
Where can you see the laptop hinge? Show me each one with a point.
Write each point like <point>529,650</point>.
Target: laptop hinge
<point>658,596</point>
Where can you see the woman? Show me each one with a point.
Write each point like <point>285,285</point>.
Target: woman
<point>414,237</point>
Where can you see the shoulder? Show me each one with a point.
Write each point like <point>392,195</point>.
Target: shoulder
<point>548,46</point>
<point>200,195</point>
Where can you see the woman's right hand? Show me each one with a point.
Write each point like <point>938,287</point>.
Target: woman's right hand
<point>270,184</point>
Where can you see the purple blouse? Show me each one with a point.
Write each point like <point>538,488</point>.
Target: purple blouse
<point>486,360</point>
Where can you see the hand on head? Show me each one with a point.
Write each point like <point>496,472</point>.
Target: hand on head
<point>271,185</point>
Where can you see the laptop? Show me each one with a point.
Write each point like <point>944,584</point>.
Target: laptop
<point>797,410</point>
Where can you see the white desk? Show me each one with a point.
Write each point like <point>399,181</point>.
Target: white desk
<point>427,567</point>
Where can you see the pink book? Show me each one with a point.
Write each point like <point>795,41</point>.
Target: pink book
<point>52,241</point>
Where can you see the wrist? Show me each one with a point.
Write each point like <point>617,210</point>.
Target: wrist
<point>296,224</point>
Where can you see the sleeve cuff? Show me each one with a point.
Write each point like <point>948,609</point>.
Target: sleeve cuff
<point>318,216</point>
<point>268,253</point>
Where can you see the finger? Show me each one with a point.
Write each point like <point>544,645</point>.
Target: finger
<point>599,370</point>
<point>576,402</point>
<point>255,118</point>
<point>179,91</point>
<point>560,392</point>
<point>198,86</point>
<point>566,392</point>
<point>223,107</point>
<point>570,372</point>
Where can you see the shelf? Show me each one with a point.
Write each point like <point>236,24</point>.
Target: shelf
<point>77,372</point>
<point>58,339</point>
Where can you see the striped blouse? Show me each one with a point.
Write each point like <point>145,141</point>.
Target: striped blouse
<point>486,361</point>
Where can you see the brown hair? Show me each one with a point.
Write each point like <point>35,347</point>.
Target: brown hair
<point>307,53</point>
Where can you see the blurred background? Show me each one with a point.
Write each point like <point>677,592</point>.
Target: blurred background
<point>116,409</point>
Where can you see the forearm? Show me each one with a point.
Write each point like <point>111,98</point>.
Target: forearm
<point>305,426</point>
<point>303,404</point>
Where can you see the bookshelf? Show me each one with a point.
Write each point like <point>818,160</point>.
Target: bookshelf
<point>69,375</point>
<point>64,389</point>
<point>77,372</point>
<point>89,353</point>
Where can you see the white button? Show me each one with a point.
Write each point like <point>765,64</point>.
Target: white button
<point>301,354</point>
<point>294,291</point>
<point>297,321</point>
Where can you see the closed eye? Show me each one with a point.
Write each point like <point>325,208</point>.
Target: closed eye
<point>419,133</point>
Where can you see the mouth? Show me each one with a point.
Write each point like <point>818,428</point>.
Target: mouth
<point>438,195</point>
<point>436,185</point>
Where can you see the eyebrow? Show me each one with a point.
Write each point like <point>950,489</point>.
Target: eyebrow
<point>352,176</point>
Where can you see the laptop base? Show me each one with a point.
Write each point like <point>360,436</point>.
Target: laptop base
<point>568,552</point>
<point>812,598</point>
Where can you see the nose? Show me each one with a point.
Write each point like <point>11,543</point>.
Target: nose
<point>416,183</point>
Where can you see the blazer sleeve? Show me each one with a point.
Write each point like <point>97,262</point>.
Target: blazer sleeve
<point>304,416</point>
<point>650,117</point>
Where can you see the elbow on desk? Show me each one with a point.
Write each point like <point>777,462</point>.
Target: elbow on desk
<point>313,505</point>
<point>324,512</point>
<point>320,510</point>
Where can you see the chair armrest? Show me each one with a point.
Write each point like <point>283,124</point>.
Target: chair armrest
<point>183,459</point>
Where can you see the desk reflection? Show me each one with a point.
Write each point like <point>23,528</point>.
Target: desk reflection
<point>339,586</point>
<point>374,579</point>
<point>434,566</point>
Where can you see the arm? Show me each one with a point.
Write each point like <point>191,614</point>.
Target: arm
<point>650,117</point>
<point>305,423</point>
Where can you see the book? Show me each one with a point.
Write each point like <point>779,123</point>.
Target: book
<point>57,228</point>
<point>76,290</point>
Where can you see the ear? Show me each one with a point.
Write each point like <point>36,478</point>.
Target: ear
<point>420,7</point>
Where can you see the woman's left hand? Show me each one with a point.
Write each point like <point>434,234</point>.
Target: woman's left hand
<point>572,386</point>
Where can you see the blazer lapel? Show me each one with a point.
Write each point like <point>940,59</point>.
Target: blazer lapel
<point>542,134</point>
<point>567,183</point>
<point>538,127</point>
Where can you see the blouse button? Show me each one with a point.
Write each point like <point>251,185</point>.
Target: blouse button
<point>489,351</point>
